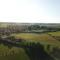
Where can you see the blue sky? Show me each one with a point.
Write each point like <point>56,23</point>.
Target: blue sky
<point>30,11</point>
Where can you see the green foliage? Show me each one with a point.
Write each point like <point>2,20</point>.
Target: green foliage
<point>12,54</point>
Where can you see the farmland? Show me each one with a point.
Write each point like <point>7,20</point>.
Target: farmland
<point>29,41</point>
<point>55,33</point>
<point>43,38</point>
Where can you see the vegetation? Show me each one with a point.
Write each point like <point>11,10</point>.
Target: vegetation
<point>55,33</point>
<point>42,38</point>
<point>29,42</point>
<point>12,53</point>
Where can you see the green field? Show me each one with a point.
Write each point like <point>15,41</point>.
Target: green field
<point>13,53</point>
<point>55,33</point>
<point>42,38</point>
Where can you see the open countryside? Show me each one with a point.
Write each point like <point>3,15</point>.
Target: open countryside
<point>26,41</point>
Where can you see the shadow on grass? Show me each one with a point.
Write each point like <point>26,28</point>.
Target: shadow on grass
<point>36,52</point>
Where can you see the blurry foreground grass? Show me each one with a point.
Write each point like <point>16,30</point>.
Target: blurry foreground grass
<point>13,53</point>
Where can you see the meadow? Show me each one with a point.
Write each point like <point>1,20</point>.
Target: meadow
<point>43,38</point>
<point>32,43</point>
<point>16,53</point>
<point>13,53</point>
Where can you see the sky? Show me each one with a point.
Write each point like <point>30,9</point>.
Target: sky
<point>38,11</point>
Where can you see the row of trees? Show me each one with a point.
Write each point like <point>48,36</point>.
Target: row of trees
<point>47,28</point>
<point>25,28</point>
<point>12,29</point>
